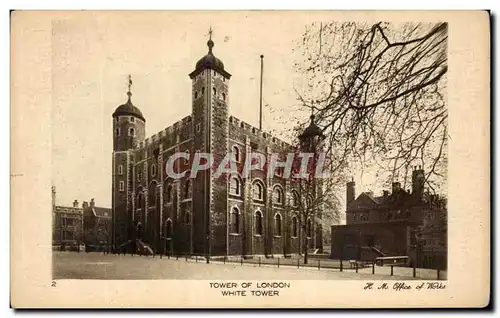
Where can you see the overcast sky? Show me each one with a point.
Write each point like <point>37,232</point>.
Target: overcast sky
<point>93,53</point>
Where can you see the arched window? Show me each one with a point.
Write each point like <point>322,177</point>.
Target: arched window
<point>215,92</point>
<point>278,195</point>
<point>168,229</point>
<point>277,224</point>
<point>258,223</point>
<point>153,170</point>
<point>169,193</point>
<point>295,228</point>
<point>131,131</point>
<point>187,186</point>
<point>139,200</point>
<point>236,153</point>
<point>235,220</point>
<point>294,200</point>
<point>309,228</point>
<point>132,119</point>
<point>120,170</point>
<point>258,191</point>
<point>224,96</point>
<point>235,186</point>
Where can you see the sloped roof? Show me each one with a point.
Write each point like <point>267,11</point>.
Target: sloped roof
<point>98,212</point>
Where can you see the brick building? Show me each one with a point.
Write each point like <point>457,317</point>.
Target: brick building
<point>400,223</point>
<point>203,215</point>
<point>67,225</point>
<point>97,226</point>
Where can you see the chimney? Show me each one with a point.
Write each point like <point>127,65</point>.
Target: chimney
<point>92,203</point>
<point>85,204</point>
<point>417,182</point>
<point>350,192</point>
<point>75,203</point>
<point>396,186</point>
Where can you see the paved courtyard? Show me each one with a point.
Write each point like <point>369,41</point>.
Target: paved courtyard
<point>72,265</point>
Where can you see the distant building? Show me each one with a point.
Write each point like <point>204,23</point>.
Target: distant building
<point>97,226</point>
<point>67,225</point>
<point>399,223</point>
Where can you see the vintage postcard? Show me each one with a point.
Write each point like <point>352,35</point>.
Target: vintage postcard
<point>250,159</point>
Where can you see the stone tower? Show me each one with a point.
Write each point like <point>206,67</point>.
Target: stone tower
<point>129,128</point>
<point>210,118</point>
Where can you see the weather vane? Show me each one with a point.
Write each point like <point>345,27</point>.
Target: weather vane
<point>210,31</point>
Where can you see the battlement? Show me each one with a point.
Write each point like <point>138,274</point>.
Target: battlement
<point>257,132</point>
<point>172,129</point>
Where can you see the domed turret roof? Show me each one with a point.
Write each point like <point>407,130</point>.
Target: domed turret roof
<point>311,130</point>
<point>128,109</point>
<point>209,61</point>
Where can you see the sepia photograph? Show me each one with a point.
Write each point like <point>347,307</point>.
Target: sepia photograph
<point>250,150</point>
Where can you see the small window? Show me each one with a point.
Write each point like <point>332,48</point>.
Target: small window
<point>258,191</point>
<point>231,119</point>
<point>120,170</point>
<point>187,187</point>
<point>277,224</point>
<point>131,131</point>
<point>278,195</point>
<point>258,223</point>
<point>198,128</point>
<point>235,220</point>
<point>215,73</point>
<point>195,95</point>
<point>294,200</point>
<point>223,96</point>
<point>295,228</point>
<point>117,118</point>
<point>254,130</point>
<point>215,92</point>
<point>139,176</point>
<point>235,186</point>
<point>117,131</point>
<point>242,125</point>
<point>122,186</point>
<point>169,193</point>
<point>153,170</point>
<point>236,153</point>
<point>202,91</point>
<point>132,119</point>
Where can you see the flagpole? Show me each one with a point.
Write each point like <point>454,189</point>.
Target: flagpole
<point>261,79</point>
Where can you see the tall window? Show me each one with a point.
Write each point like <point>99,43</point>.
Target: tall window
<point>235,220</point>
<point>309,228</point>
<point>258,191</point>
<point>224,96</point>
<point>295,227</point>
<point>120,170</point>
<point>278,195</point>
<point>277,224</point>
<point>195,95</point>
<point>234,186</point>
<point>258,223</point>
<point>117,131</point>
<point>168,229</point>
<point>122,186</point>
<point>187,186</point>
<point>153,170</point>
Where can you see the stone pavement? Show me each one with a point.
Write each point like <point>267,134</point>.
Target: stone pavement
<point>71,265</point>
